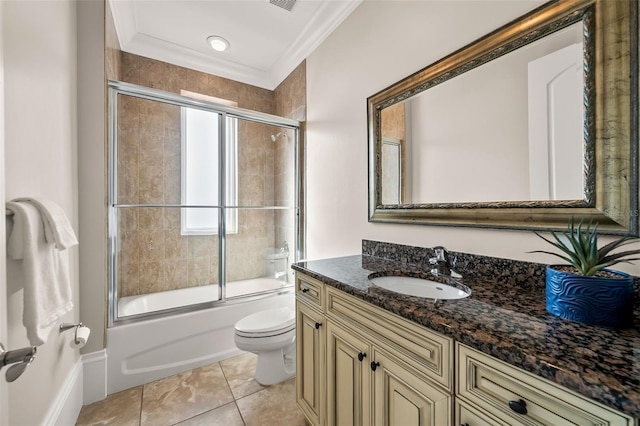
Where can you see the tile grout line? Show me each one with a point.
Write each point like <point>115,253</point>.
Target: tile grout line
<point>235,401</point>
<point>239,412</point>
<point>141,402</point>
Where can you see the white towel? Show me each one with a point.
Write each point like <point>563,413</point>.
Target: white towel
<point>45,273</point>
<point>57,227</point>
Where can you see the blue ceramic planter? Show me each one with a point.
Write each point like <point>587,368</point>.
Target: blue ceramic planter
<point>606,302</point>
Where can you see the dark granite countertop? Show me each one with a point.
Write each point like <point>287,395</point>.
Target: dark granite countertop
<point>510,323</point>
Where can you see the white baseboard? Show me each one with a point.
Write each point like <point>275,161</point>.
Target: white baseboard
<point>86,383</point>
<point>94,370</point>
<point>65,408</point>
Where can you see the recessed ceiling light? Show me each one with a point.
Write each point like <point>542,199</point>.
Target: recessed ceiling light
<point>218,43</point>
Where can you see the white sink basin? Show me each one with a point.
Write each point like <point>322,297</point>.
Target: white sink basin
<point>420,287</point>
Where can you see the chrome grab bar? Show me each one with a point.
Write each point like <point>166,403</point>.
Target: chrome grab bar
<point>21,358</point>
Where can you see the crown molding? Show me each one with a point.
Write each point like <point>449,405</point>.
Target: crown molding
<point>329,16</point>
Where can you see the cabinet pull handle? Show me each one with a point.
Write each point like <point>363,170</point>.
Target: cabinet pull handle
<point>318,324</point>
<point>518,406</point>
<point>374,365</point>
<point>464,424</point>
<point>305,290</point>
<point>361,356</point>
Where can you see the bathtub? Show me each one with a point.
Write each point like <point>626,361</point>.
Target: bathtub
<point>147,350</point>
<point>134,305</point>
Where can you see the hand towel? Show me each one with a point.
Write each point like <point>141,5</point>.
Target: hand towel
<point>57,227</point>
<point>45,273</point>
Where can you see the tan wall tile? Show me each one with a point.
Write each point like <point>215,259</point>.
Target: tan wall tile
<point>176,274</point>
<point>150,219</point>
<point>151,246</point>
<point>129,248</point>
<point>175,245</point>
<point>200,245</point>
<point>151,277</point>
<point>199,270</point>
<point>129,279</point>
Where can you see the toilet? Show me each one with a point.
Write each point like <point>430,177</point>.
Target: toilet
<point>270,334</point>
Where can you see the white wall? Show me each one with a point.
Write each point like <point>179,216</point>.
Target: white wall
<point>91,169</point>
<point>41,160</point>
<point>4,401</point>
<point>380,43</point>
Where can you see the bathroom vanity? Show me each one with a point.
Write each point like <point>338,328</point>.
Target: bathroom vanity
<point>366,355</point>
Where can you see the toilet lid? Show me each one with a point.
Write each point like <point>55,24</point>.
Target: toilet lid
<point>267,321</point>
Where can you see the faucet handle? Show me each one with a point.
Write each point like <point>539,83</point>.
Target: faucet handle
<point>440,252</point>
<point>454,273</point>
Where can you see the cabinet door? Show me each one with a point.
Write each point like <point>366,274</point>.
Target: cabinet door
<point>310,363</point>
<point>402,397</point>
<point>348,378</point>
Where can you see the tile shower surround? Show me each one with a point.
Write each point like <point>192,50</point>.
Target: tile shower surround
<point>154,256</point>
<point>505,317</point>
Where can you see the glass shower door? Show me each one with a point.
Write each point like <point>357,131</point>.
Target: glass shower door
<point>164,248</point>
<point>202,203</point>
<point>261,249</point>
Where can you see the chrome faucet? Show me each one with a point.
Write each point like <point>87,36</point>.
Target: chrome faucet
<point>441,263</point>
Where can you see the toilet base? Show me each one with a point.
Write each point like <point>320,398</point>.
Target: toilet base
<point>276,366</point>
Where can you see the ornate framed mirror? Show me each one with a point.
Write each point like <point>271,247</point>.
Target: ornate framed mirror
<point>526,127</point>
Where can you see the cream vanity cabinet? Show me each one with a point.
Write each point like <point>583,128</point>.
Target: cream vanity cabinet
<point>358,364</point>
<point>377,369</point>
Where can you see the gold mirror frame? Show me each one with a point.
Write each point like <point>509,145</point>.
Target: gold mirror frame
<point>610,123</point>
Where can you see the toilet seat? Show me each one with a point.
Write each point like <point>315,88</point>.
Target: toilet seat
<point>266,334</point>
<point>271,322</point>
<point>270,334</point>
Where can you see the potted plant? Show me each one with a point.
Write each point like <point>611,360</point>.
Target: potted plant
<point>585,290</point>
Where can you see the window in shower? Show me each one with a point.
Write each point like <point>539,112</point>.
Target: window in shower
<point>200,171</point>
<point>234,237</point>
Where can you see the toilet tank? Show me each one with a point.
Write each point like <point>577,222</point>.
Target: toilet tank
<point>277,263</point>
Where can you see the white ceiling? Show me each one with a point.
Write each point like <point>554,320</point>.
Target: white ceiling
<point>267,42</point>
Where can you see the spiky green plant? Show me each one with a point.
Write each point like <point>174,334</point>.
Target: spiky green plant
<point>580,248</point>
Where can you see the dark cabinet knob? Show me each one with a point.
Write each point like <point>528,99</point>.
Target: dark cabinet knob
<point>318,324</point>
<point>361,356</point>
<point>464,424</point>
<point>374,365</point>
<point>518,406</point>
<point>305,290</point>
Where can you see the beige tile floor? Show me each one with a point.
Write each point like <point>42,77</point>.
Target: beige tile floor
<point>223,393</point>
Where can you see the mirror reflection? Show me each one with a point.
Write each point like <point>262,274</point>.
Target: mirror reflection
<point>523,128</point>
<point>516,121</point>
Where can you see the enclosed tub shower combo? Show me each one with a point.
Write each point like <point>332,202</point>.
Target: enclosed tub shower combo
<point>203,227</point>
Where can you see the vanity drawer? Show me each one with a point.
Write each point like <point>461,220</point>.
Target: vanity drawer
<point>426,351</point>
<point>491,384</point>
<point>309,290</point>
<point>466,415</point>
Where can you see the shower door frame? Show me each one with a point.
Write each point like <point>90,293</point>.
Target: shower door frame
<point>116,88</point>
